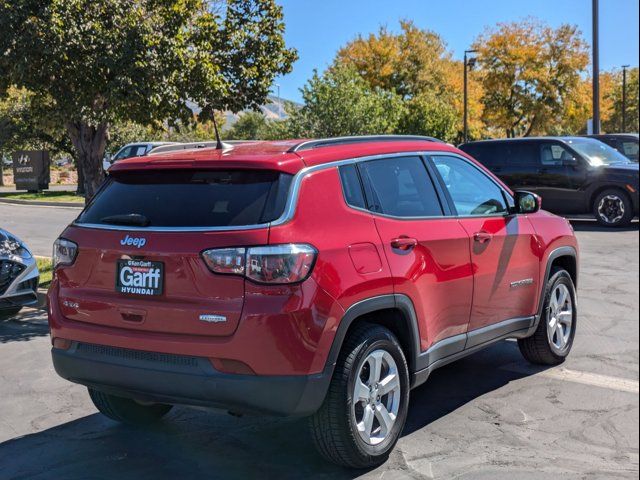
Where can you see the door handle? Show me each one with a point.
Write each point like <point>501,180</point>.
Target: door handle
<point>403,243</point>
<point>482,237</point>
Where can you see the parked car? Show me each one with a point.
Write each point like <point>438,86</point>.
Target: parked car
<point>61,162</point>
<point>18,276</point>
<point>625,143</point>
<point>132,150</point>
<point>573,175</point>
<point>320,278</point>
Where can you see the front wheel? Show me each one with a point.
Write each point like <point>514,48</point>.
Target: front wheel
<point>613,208</point>
<point>364,412</point>
<point>553,339</point>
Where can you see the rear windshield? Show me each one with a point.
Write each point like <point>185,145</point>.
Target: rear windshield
<point>189,198</point>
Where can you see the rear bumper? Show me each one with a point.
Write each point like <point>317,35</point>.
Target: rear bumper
<point>185,380</point>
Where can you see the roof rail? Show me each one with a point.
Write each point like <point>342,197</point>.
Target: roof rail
<point>329,142</point>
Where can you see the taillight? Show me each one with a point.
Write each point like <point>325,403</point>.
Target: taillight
<point>272,264</point>
<point>64,252</point>
<point>225,260</point>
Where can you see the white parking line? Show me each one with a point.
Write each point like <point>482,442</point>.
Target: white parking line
<point>585,378</point>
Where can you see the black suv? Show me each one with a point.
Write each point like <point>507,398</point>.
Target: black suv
<point>573,175</point>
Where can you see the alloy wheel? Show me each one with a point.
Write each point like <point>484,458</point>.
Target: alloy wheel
<point>611,209</point>
<point>560,317</point>
<point>376,397</point>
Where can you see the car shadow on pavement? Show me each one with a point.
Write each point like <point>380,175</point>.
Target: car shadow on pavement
<point>451,387</point>
<point>194,443</point>
<point>27,325</point>
<point>593,226</point>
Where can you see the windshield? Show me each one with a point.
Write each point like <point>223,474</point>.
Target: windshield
<point>596,152</point>
<point>131,151</point>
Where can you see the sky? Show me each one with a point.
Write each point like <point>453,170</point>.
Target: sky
<point>318,28</point>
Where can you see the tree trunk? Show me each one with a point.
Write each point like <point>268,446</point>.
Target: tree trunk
<point>1,171</point>
<point>89,142</point>
<point>531,125</point>
<point>80,173</point>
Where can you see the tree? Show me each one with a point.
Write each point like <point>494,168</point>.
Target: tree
<point>529,72</point>
<point>249,126</point>
<point>612,98</point>
<point>256,126</point>
<point>340,103</point>
<point>427,114</point>
<point>408,63</point>
<point>416,65</point>
<point>97,63</point>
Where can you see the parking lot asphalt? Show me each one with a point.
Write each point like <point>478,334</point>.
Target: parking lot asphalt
<point>37,225</point>
<point>489,416</point>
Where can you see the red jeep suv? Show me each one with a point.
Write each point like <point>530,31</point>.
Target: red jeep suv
<point>321,278</point>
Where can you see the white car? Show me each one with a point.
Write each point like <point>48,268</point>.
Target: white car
<point>132,150</point>
<point>19,276</point>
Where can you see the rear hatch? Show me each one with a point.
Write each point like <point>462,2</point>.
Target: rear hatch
<point>139,263</point>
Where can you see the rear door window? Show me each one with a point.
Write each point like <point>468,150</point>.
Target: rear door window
<point>488,154</point>
<point>189,198</point>
<point>401,187</point>
<point>520,154</point>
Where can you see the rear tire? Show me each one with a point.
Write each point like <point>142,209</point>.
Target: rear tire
<point>613,208</point>
<point>553,339</point>
<point>365,409</point>
<point>128,411</point>
<point>8,313</point>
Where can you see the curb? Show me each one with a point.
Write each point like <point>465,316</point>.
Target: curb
<point>39,203</point>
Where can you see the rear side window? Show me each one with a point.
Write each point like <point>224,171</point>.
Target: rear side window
<point>189,198</point>
<point>351,186</point>
<point>401,187</point>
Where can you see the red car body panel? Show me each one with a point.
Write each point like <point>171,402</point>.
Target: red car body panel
<point>437,274</point>
<point>511,255</point>
<point>456,284</point>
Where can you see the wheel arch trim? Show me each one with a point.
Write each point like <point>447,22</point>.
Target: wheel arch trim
<point>398,302</point>
<point>566,251</point>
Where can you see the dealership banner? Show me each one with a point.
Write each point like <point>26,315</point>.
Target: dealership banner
<point>31,170</point>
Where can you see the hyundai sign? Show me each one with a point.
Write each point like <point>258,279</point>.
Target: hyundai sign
<point>31,170</point>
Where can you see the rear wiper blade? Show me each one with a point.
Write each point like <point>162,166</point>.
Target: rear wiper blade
<point>127,219</point>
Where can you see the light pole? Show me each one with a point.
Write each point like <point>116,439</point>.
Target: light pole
<point>624,98</point>
<point>469,62</point>
<point>279,102</point>
<point>596,68</point>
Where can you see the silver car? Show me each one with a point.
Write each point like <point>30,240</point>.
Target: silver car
<point>132,150</point>
<point>18,275</point>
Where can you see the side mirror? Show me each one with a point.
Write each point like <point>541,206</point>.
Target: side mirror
<point>570,162</point>
<point>527,202</point>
